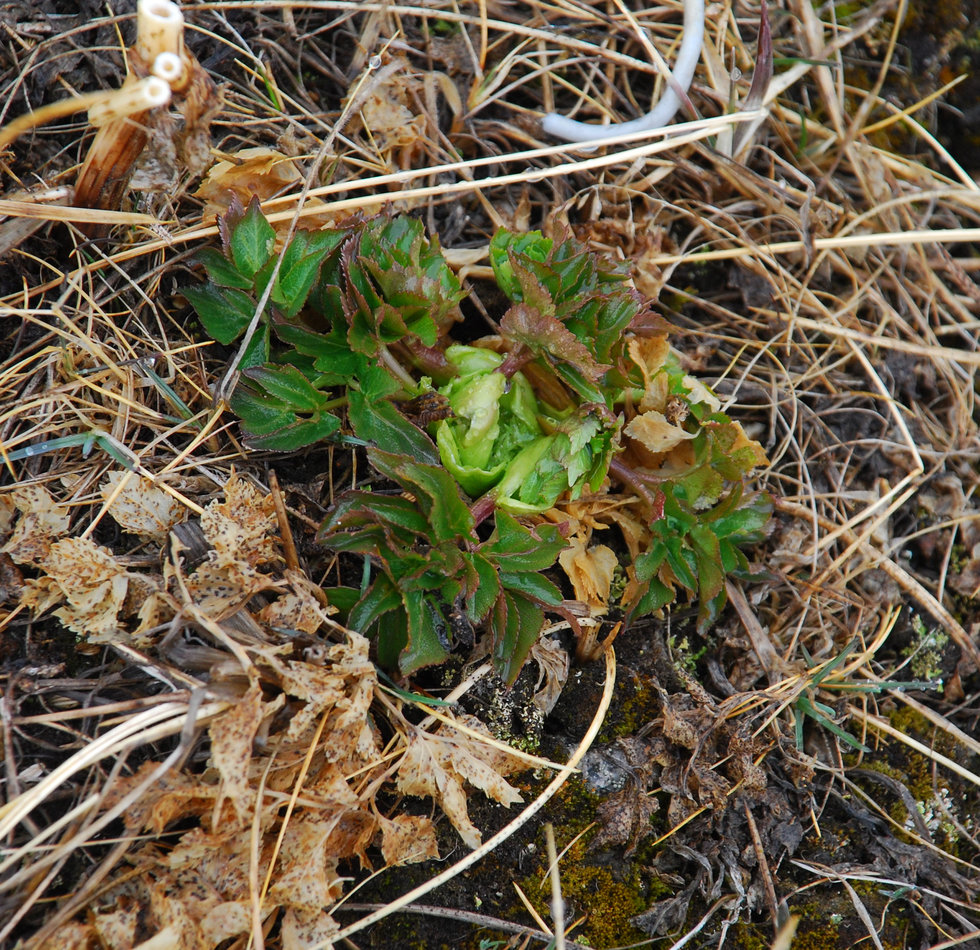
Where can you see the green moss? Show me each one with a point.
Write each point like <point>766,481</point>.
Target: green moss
<point>828,920</point>
<point>638,704</point>
<point>594,892</point>
<point>917,773</point>
<point>607,896</point>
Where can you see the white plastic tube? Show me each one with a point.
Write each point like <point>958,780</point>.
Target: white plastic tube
<point>562,127</point>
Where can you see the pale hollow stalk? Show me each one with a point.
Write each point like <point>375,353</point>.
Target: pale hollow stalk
<point>122,117</point>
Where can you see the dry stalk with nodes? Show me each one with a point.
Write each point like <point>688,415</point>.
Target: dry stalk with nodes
<point>161,71</point>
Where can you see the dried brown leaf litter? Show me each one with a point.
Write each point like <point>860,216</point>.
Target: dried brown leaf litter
<point>197,753</point>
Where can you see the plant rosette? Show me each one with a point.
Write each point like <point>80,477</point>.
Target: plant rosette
<point>504,440</point>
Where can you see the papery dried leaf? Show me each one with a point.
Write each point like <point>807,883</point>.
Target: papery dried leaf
<point>175,920</point>
<point>757,453</point>
<point>296,609</point>
<point>117,928</point>
<point>8,512</point>
<point>624,818</point>
<point>158,608</point>
<point>699,393</point>
<point>264,172</point>
<point>650,354</point>
<point>679,728</point>
<point>655,433</point>
<point>220,589</point>
<point>390,112</point>
<point>591,572</point>
<point>307,929</point>
<point>231,750</point>
<point>241,527</point>
<point>306,875</point>
<point>554,662</point>
<point>42,520</point>
<point>636,533</point>
<point>88,577</point>
<point>173,796</point>
<point>408,839</point>
<point>436,765</point>
<point>228,919</point>
<point>41,594</point>
<point>346,685</point>
<point>218,862</point>
<point>71,936</point>
<point>320,688</point>
<point>140,507</point>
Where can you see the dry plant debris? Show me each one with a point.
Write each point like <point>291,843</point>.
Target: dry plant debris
<point>197,751</point>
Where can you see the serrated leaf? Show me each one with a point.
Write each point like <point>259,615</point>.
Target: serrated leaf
<point>517,624</point>
<point>532,585</point>
<point>381,598</point>
<point>252,240</point>
<point>224,312</point>
<point>746,524</point>
<point>331,355</point>
<point>361,507</point>
<point>707,553</point>
<point>656,596</point>
<point>481,596</point>
<point>516,548</point>
<point>297,434</point>
<point>380,423</point>
<point>434,489</point>
<point>532,245</point>
<point>288,385</point>
<point>428,634</point>
<point>257,351</point>
<point>542,334</point>
<point>220,270</point>
<point>300,267</point>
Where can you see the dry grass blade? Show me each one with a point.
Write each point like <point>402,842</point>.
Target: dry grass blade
<point>183,714</point>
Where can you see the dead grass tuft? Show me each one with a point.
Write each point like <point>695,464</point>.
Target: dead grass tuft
<point>197,752</point>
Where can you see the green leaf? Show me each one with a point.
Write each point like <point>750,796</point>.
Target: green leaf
<point>657,595</point>
<point>300,267</point>
<point>220,270</point>
<point>356,508</point>
<point>532,585</point>
<point>504,243</point>
<point>269,400</point>
<point>382,597</point>
<point>224,311</point>
<point>428,634</point>
<point>288,385</point>
<point>482,594</point>
<point>517,624</point>
<point>380,423</point>
<point>252,240</point>
<point>297,434</point>
<point>542,334</point>
<point>331,354</point>
<point>516,548</point>
<point>343,598</point>
<point>747,524</point>
<point>710,577</point>
<point>434,489</point>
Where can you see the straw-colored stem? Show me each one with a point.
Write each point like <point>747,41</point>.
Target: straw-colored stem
<point>132,99</point>
<point>159,29</point>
